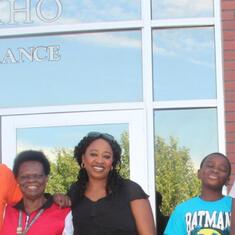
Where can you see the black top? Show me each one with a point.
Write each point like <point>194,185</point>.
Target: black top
<point>161,222</point>
<point>110,215</point>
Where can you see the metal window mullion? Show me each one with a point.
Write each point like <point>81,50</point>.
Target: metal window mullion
<point>71,28</point>
<point>148,95</point>
<point>185,104</point>
<point>219,77</point>
<point>71,108</point>
<point>179,23</point>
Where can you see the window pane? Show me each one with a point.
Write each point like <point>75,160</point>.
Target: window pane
<point>184,64</point>
<point>182,139</point>
<point>23,13</point>
<point>162,9</point>
<point>71,69</point>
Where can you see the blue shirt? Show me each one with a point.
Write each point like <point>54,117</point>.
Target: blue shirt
<point>199,217</point>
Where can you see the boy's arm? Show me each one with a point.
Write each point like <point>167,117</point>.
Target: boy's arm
<point>232,232</point>
<point>232,194</point>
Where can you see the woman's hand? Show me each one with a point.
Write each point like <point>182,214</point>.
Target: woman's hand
<point>62,200</point>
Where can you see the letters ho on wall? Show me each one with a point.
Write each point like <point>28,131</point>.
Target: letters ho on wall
<point>26,14</point>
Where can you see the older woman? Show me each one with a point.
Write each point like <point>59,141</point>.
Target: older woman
<point>36,213</point>
<point>103,203</point>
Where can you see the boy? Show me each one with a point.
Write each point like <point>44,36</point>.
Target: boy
<point>210,212</point>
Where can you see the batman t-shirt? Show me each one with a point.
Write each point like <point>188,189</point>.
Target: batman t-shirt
<point>199,217</point>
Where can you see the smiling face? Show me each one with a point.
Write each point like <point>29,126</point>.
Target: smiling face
<point>32,179</point>
<point>214,172</point>
<point>98,159</point>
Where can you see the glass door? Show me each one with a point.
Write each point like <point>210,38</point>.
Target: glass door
<point>53,132</point>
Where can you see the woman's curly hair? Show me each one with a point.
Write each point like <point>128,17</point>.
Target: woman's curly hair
<point>78,189</point>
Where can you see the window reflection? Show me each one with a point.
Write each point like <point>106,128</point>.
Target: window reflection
<point>184,64</point>
<point>162,9</point>
<point>71,69</point>
<point>195,129</point>
<point>50,138</point>
<point>38,12</point>
<point>182,139</point>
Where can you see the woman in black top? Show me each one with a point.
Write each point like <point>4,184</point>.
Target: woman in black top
<point>103,203</point>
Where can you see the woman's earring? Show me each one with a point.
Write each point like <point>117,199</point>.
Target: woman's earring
<point>82,165</point>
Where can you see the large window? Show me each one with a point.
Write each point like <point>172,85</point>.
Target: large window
<point>187,93</point>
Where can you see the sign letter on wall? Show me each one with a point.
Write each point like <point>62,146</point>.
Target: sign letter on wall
<point>26,10</point>
<point>40,12</point>
<point>31,54</point>
<point>22,13</point>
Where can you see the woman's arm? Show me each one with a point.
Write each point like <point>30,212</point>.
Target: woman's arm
<point>143,215</point>
<point>62,200</point>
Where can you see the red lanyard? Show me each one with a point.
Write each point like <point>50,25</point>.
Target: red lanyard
<point>19,229</point>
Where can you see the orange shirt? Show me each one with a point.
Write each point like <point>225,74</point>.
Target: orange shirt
<point>9,190</point>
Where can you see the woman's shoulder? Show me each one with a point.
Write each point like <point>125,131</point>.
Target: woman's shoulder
<point>130,183</point>
<point>133,190</point>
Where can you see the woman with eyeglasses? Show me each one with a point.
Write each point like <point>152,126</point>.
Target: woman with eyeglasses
<point>36,213</point>
<point>103,203</point>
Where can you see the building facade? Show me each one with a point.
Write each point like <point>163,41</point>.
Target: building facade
<point>228,24</point>
<point>158,75</point>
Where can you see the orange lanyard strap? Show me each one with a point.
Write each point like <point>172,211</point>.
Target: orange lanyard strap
<point>19,229</point>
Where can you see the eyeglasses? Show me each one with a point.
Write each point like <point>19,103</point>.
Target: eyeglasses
<point>96,134</point>
<point>31,177</point>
